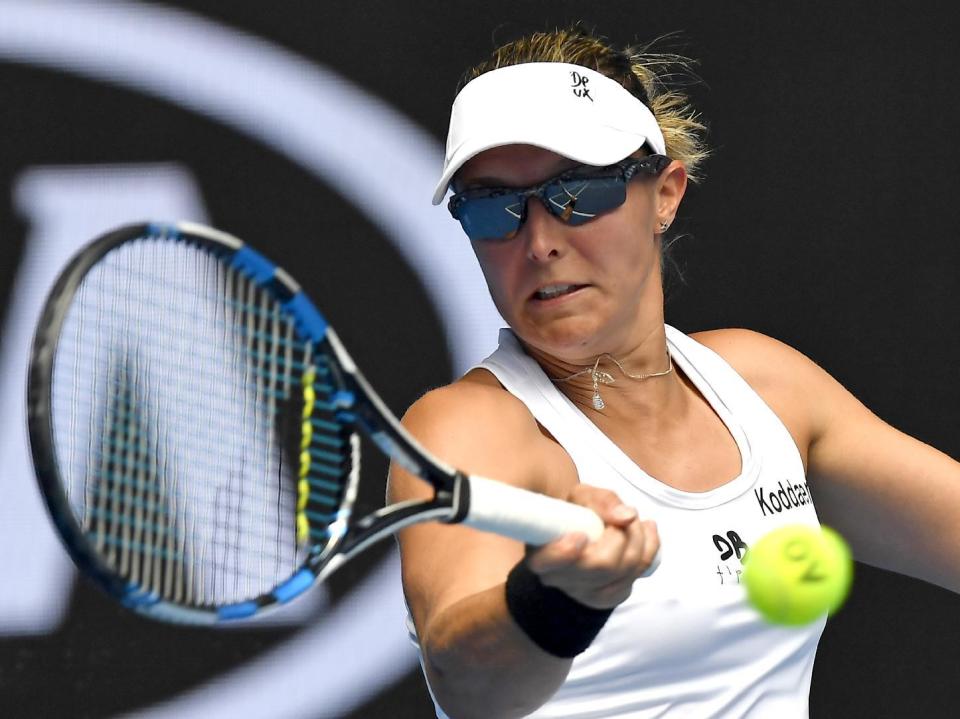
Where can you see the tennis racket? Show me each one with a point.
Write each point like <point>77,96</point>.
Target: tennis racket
<point>194,424</point>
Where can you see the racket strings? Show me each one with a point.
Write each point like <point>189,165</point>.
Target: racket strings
<point>283,365</point>
<point>171,405</point>
<point>132,518</point>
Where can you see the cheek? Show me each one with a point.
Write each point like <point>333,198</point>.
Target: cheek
<point>622,244</point>
<point>640,206</point>
<point>636,239</point>
<point>495,263</point>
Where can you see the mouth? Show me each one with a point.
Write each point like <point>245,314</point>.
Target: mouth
<point>551,292</point>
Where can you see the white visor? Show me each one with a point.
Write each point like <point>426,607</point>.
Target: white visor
<point>569,109</point>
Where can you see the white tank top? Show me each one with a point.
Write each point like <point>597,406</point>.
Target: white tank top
<point>686,643</point>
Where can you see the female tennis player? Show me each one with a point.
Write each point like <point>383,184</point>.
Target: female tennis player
<point>567,161</point>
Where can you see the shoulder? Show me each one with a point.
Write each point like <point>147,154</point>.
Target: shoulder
<point>475,402</point>
<point>479,427</point>
<point>764,362</point>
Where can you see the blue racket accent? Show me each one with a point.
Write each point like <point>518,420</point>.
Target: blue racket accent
<point>253,264</point>
<point>308,319</point>
<point>163,229</point>
<point>167,612</point>
<point>343,399</point>
<point>296,585</point>
<point>240,610</point>
<point>137,597</point>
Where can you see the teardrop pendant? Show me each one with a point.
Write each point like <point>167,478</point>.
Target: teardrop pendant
<point>598,402</point>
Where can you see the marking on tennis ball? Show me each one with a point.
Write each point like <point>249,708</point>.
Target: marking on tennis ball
<point>796,574</point>
<point>798,550</point>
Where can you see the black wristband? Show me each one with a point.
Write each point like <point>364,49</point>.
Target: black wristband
<point>556,623</point>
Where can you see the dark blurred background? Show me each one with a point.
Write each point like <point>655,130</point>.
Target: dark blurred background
<point>828,219</point>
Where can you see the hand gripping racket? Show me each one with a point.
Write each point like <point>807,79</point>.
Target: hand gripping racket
<point>193,422</point>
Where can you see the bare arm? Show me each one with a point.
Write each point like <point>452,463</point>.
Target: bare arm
<point>478,661</point>
<point>894,498</point>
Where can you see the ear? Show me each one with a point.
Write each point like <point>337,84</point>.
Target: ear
<point>671,185</point>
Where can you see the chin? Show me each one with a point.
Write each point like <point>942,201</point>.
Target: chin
<point>570,343</point>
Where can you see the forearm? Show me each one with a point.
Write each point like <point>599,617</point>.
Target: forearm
<point>897,502</point>
<point>481,664</point>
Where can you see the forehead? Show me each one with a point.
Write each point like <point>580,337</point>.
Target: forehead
<point>518,165</point>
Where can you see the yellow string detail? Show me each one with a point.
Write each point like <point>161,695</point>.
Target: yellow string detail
<point>306,435</point>
<point>303,492</point>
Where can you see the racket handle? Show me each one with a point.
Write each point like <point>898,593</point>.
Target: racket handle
<point>530,517</point>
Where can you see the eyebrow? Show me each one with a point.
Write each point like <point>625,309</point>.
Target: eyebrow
<point>479,182</point>
<point>496,182</point>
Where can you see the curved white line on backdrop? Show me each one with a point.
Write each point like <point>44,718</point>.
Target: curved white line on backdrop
<point>377,159</point>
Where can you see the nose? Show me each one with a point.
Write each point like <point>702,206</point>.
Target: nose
<point>542,233</point>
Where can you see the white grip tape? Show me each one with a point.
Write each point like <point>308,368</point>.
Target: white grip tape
<point>529,517</point>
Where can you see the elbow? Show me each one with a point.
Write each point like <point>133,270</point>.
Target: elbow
<point>444,659</point>
<point>469,681</point>
<point>453,685</point>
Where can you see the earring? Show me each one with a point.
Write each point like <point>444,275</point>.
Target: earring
<point>663,226</point>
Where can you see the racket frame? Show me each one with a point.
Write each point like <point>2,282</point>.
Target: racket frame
<point>361,407</point>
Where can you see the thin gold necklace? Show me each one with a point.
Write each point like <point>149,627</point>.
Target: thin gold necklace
<point>600,376</point>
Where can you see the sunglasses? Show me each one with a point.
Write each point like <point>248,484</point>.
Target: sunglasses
<point>574,197</point>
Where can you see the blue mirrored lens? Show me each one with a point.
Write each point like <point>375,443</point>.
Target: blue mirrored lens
<point>578,200</point>
<point>491,218</point>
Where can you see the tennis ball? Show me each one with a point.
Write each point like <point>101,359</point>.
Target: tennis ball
<point>797,573</point>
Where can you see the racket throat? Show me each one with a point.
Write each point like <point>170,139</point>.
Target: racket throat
<point>457,497</point>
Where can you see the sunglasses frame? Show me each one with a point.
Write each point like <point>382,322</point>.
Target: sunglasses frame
<point>625,170</point>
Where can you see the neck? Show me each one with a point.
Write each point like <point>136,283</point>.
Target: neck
<point>639,383</point>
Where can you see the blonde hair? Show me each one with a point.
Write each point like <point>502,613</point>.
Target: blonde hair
<point>640,71</point>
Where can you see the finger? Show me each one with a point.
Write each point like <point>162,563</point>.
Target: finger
<point>651,548</point>
<point>559,554</point>
<point>605,570</point>
<point>607,553</point>
<point>605,503</point>
<point>620,515</point>
<point>622,552</point>
<point>652,567</point>
<point>641,548</point>
<point>604,579</point>
<point>600,562</point>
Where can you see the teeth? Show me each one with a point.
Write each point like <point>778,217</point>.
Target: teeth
<point>546,293</point>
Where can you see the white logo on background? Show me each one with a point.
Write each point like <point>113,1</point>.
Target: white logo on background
<point>382,164</point>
